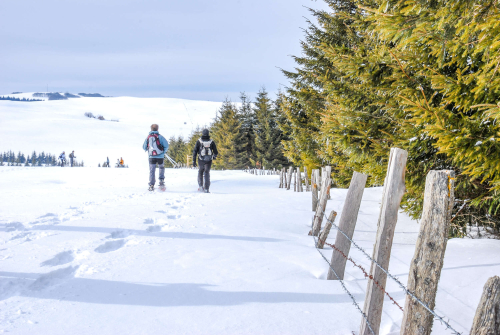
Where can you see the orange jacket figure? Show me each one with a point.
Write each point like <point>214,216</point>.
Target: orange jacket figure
<point>121,161</point>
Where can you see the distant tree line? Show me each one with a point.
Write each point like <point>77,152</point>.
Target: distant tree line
<point>247,136</point>
<point>18,99</point>
<point>10,158</point>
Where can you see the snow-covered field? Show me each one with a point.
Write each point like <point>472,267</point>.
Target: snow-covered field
<point>60,125</point>
<point>91,251</point>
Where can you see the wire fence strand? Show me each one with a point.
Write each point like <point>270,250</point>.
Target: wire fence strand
<point>401,285</point>
<point>354,302</point>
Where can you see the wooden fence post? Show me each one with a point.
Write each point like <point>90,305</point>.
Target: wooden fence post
<point>281,179</point>
<point>324,233</point>
<point>486,320</point>
<point>394,188</point>
<point>294,180</point>
<point>347,224</point>
<point>320,210</point>
<point>425,268</point>
<point>314,196</point>
<point>328,173</point>
<point>299,180</point>
<point>284,177</point>
<point>289,177</point>
<point>306,179</point>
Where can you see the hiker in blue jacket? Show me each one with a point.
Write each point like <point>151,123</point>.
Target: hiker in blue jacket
<point>156,146</point>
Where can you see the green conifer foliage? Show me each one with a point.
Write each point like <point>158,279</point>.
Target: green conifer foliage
<point>226,132</point>
<point>248,121</point>
<point>267,134</point>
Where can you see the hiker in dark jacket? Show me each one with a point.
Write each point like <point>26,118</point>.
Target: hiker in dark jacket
<point>206,150</point>
<point>72,157</point>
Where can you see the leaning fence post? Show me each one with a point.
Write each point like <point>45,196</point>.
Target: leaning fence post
<point>328,172</point>
<point>486,320</point>
<point>324,233</point>
<point>425,268</point>
<point>394,188</point>
<point>347,224</point>
<point>320,210</point>
<point>285,178</point>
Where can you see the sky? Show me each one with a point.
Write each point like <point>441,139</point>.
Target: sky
<point>191,49</point>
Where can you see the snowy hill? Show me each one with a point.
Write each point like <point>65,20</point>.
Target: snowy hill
<point>54,126</point>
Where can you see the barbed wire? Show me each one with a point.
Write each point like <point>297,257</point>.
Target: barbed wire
<point>366,274</point>
<point>403,287</point>
<point>344,287</point>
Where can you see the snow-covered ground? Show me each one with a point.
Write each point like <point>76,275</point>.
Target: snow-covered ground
<point>60,125</point>
<point>89,250</point>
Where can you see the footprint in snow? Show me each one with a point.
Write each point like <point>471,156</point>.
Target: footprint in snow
<point>110,246</point>
<point>162,212</point>
<point>53,278</point>
<point>119,234</point>
<point>149,221</point>
<point>48,215</point>
<point>153,229</point>
<point>173,217</point>
<point>60,259</point>
<point>14,226</point>
<point>20,235</point>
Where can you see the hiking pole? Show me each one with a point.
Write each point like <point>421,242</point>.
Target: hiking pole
<point>171,160</point>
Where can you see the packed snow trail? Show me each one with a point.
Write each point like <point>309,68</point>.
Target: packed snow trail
<point>90,250</point>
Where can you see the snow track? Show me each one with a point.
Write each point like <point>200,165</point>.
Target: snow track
<point>89,250</point>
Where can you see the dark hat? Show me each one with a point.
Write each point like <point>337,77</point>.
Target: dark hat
<point>205,132</point>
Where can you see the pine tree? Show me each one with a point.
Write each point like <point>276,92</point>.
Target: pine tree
<point>248,121</point>
<point>269,150</point>
<point>226,131</point>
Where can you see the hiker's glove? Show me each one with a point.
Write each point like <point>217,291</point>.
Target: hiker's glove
<point>194,164</point>
<point>215,157</point>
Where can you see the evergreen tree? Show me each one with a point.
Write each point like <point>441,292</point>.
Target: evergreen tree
<point>248,121</point>
<point>267,134</point>
<point>226,131</point>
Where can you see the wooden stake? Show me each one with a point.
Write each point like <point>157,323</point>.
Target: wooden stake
<point>324,234</point>
<point>347,224</point>
<point>289,177</point>
<point>306,178</point>
<point>394,188</point>
<point>487,318</point>
<point>425,268</point>
<point>314,197</point>
<point>328,173</point>
<point>320,210</point>
<point>299,181</point>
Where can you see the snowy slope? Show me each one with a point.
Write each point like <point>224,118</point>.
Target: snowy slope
<point>88,250</point>
<point>54,126</point>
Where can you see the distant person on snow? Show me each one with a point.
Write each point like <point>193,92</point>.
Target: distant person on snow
<point>122,162</point>
<point>156,146</point>
<point>71,157</point>
<point>107,161</point>
<point>62,157</point>
<point>206,150</point>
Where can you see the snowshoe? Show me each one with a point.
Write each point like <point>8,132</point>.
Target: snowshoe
<point>151,188</point>
<point>162,186</point>
<point>206,191</point>
<point>200,189</point>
